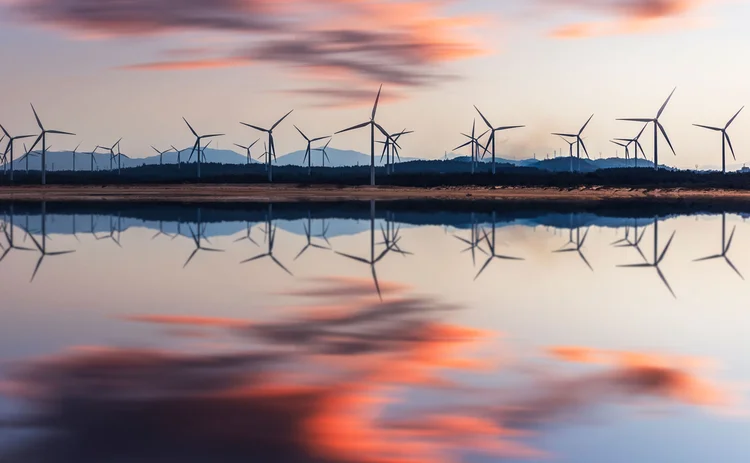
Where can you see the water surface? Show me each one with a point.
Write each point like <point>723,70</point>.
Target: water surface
<point>365,332</point>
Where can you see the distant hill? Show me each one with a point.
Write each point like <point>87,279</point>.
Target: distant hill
<point>338,158</point>
<point>63,160</point>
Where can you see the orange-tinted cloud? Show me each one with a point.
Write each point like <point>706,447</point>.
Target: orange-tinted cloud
<point>186,65</point>
<point>189,320</point>
<point>625,16</point>
<point>397,42</point>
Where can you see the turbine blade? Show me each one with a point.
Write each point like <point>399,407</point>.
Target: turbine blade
<point>260,256</point>
<point>190,126</point>
<point>489,126</point>
<point>703,259</point>
<point>636,120</point>
<point>39,122</point>
<point>664,132</point>
<point>487,263</point>
<point>733,118</point>
<point>375,107</point>
<point>584,125</point>
<point>731,148</point>
<point>661,110</point>
<point>729,242</point>
<point>729,262</point>
<point>508,127</point>
<point>717,129</point>
<point>280,120</point>
<point>664,252</point>
<point>465,144</point>
<point>273,258</point>
<point>261,129</point>
<point>358,126</point>
<point>358,259</point>
<point>564,135</point>
<point>300,132</point>
<point>583,145</point>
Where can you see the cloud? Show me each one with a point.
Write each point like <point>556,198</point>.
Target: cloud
<point>625,16</point>
<point>321,389</point>
<point>401,43</point>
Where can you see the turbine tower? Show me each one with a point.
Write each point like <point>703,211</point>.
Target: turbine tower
<point>271,149</point>
<point>179,153</point>
<point>308,150</point>
<point>494,130</point>
<point>579,141</point>
<point>372,124</point>
<point>9,148</point>
<point>197,144</point>
<point>247,149</point>
<point>43,138</point>
<point>724,140</point>
<point>75,150</point>
<point>657,127</point>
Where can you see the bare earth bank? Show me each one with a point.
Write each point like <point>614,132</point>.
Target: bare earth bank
<point>289,193</point>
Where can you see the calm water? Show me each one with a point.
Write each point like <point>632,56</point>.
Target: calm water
<point>372,333</point>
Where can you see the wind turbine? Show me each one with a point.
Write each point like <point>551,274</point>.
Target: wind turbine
<point>725,245</point>
<point>308,152</point>
<point>570,145</point>
<point>26,156</point>
<point>657,128</point>
<point>658,258</point>
<point>247,149</point>
<point>271,149</point>
<point>9,148</point>
<point>265,156</point>
<point>392,144</point>
<point>637,143</point>
<point>93,157</point>
<point>111,153</point>
<point>372,124</point>
<point>491,244</point>
<point>324,152</point>
<point>197,144</point>
<point>42,246</point>
<point>724,140</point>
<point>579,141</point>
<point>43,138</point>
<point>248,233</point>
<point>578,246</point>
<point>474,143</point>
<point>161,154</point>
<point>623,145</point>
<point>494,130</point>
<point>179,153</point>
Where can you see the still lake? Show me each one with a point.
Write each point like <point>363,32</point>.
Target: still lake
<point>364,332</point>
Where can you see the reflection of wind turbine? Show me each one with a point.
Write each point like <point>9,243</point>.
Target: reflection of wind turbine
<point>9,237</point>
<point>248,234</point>
<point>271,149</point>
<point>474,242</point>
<point>42,246</point>
<point>179,153</point>
<point>373,258</point>
<point>308,235</point>
<point>43,138</point>
<point>578,246</point>
<point>725,245</point>
<point>198,238</point>
<point>271,240</point>
<point>494,130</point>
<point>197,144</point>
<point>372,125</point>
<point>491,244</point>
<point>579,141</point>
<point>724,140</point>
<point>658,258</point>
<point>657,128</point>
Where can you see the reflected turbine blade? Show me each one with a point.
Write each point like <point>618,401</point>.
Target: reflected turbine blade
<point>281,265</point>
<point>666,248</point>
<point>666,283</point>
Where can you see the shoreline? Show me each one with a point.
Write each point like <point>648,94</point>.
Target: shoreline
<point>284,193</point>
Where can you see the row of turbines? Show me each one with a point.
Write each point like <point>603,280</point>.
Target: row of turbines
<point>390,143</point>
<point>480,149</point>
<point>390,151</point>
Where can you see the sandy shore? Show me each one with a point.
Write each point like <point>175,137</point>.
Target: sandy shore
<point>287,193</point>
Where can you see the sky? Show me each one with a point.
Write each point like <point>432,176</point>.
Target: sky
<point>106,69</point>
